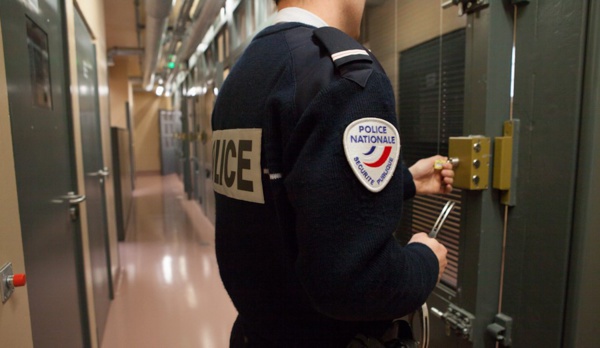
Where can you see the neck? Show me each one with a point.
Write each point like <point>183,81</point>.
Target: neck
<point>344,15</point>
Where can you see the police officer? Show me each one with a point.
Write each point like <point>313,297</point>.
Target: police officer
<point>309,187</point>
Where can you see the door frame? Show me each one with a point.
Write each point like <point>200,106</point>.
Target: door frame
<point>101,165</point>
<point>73,105</point>
<point>583,304</point>
<point>487,103</point>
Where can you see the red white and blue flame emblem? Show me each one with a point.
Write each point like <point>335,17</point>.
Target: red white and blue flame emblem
<point>372,148</point>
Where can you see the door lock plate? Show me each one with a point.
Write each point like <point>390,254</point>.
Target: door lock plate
<point>473,154</point>
<point>5,289</point>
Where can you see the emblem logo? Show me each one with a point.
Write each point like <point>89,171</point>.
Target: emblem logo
<point>372,148</point>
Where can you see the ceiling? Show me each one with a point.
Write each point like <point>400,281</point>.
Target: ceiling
<point>121,30</point>
<point>120,23</point>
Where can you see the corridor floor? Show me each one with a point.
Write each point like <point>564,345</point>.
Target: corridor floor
<point>169,293</point>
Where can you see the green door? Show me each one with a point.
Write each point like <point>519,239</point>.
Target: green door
<point>34,48</point>
<point>95,172</point>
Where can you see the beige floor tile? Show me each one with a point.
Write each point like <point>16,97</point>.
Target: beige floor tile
<point>169,293</point>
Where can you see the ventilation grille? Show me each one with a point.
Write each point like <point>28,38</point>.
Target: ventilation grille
<point>431,108</point>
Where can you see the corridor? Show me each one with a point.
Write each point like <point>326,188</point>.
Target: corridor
<point>169,293</point>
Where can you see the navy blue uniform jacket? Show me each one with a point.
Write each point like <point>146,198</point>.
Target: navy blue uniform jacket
<point>315,261</point>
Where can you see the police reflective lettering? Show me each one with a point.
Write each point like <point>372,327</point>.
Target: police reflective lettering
<point>236,164</point>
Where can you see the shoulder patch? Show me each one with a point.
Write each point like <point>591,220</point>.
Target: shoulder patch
<point>344,50</point>
<point>372,148</point>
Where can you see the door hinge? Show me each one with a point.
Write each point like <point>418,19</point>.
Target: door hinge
<point>467,6</point>
<point>501,329</point>
<point>458,321</point>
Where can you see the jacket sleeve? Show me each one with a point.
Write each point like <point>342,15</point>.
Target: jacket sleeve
<point>349,263</point>
<point>410,190</point>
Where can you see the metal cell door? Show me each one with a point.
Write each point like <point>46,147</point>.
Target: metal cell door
<point>95,172</point>
<point>33,34</point>
<point>506,281</point>
<point>190,161</point>
<point>170,126</point>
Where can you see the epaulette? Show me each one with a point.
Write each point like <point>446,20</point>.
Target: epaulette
<point>350,58</point>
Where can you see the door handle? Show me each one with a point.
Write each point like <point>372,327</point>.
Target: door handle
<point>73,198</point>
<point>104,172</point>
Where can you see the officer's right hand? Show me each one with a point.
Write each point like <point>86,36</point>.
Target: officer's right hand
<point>438,249</point>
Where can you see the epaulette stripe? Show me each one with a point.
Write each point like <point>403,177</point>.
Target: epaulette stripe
<point>275,176</point>
<point>348,53</point>
<point>349,57</point>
